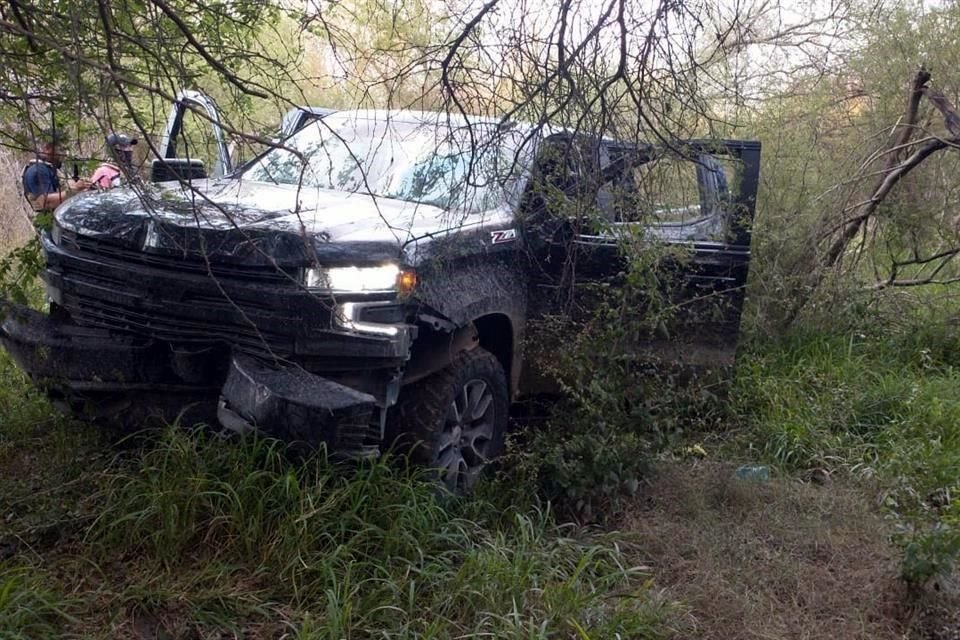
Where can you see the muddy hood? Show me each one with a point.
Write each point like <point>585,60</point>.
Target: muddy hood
<point>255,223</point>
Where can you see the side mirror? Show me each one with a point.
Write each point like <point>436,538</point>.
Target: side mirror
<point>170,169</point>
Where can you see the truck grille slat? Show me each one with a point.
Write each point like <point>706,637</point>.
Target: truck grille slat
<point>175,329</point>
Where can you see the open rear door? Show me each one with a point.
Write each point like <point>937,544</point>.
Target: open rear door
<point>700,203</point>
<point>193,146</point>
<point>690,207</point>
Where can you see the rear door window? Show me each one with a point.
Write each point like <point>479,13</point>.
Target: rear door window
<point>683,198</point>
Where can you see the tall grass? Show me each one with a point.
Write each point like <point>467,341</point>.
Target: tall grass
<point>29,610</point>
<point>194,535</point>
<point>850,402</point>
<point>369,551</point>
<point>882,406</point>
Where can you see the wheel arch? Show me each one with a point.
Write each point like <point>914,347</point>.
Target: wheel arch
<point>495,333</point>
<point>436,348</point>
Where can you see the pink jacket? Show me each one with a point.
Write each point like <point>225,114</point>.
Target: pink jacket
<point>105,175</point>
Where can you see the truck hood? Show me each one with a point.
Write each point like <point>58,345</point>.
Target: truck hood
<point>241,221</point>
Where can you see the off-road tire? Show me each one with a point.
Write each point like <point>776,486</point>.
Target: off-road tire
<point>420,423</point>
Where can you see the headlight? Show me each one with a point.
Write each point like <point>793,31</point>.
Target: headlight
<point>56,233</point>
<point>382,278</point>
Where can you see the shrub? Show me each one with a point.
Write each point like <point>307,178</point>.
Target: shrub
<point>620,405</point>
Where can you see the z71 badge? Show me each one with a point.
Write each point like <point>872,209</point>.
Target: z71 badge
<point>504,235</point>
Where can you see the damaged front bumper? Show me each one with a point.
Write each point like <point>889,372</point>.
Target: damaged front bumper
<point>81,357</point>
<point>297,406</point>
<point>125,379</point>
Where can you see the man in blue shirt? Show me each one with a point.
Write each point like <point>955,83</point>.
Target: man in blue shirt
<point>41,181</point>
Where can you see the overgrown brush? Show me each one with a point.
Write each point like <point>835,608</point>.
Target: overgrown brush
<point>367,551</point>
<point>622,403</point>
<point>885,406</point>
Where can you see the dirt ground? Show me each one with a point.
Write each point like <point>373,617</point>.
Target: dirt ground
<point>778,559</point>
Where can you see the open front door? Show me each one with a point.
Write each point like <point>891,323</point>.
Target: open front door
<point>688,209</point>
<point>193,146</point>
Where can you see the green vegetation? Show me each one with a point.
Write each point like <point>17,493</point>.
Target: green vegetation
<point>885,407</point>
<point>27,609</point>
<point>185,532</point>
<point>192,535</point>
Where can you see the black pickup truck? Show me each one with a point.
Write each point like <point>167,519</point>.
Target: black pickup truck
<point>373,279</point>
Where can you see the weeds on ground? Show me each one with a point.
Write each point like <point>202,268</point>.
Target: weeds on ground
<point>880,406</point>
<point>365,552</point>
<point>27,609</point>
<point>188,534</point>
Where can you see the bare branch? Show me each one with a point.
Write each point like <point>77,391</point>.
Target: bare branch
<point>950,117</point>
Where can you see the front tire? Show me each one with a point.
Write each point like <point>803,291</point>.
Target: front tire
<point>454,422</point>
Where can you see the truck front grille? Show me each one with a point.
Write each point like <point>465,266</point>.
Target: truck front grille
<point>258,315</point>
<point>93,247</point>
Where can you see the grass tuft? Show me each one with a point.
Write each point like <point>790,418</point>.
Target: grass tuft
<point>28,609</point>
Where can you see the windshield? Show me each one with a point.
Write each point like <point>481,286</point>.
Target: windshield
<point>430,162</point>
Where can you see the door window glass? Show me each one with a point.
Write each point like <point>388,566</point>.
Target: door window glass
<point>677,198</point>
<point>196,140</point>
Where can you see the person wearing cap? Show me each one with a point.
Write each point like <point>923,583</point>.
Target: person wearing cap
<point>41,178</point>
<point>111,174</point>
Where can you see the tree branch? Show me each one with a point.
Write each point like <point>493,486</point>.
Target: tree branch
<point>940,101</point>
<point>211,60</point>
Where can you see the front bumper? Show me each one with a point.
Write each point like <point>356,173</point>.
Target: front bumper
<point>294,405</point>
<point>82,366</point>
<point>82,358</point>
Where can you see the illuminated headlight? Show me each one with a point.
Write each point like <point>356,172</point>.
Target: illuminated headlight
<point>386,277</point>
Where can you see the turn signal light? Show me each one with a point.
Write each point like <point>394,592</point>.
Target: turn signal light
<point>407,281</point>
